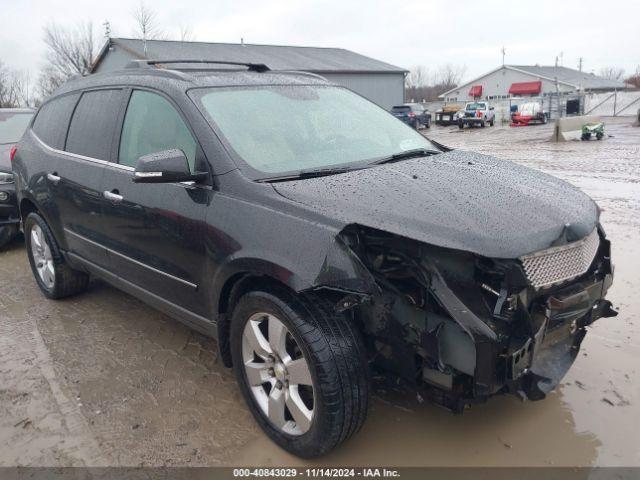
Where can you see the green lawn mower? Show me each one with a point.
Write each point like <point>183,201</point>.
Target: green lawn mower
<point>591,129</point>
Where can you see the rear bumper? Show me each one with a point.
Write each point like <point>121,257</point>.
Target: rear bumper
<point>473,120</point>
<point>9,214</point>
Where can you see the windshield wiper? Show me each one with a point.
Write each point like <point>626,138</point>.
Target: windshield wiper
<point>417,152</point>
<point>321,172</point>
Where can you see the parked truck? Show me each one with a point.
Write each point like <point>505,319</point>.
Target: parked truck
<point>476,113</point>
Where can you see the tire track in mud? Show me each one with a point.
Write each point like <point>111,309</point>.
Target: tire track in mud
<point>39,424</point>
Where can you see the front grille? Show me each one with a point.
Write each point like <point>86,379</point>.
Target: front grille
<point>559,264</point>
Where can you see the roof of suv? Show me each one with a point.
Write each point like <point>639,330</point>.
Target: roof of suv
<point>190,78</point>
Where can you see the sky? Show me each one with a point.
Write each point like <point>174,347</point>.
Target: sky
<point>404,33</point>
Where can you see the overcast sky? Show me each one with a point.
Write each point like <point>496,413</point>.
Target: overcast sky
<point>407,33</point>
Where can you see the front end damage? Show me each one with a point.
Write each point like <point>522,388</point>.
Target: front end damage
<point>461,327</point>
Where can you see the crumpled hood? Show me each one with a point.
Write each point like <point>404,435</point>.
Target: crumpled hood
<point>459,200</point>
<point>5,161</point>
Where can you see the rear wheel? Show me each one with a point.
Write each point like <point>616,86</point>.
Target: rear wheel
<point>491,122</point>
<point>301,368</point>
<point>460,125</point>
<point>54,276</point>
<point>7,233</point>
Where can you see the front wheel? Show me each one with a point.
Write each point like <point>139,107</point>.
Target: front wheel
<point>460,125</point>
<point>54,276</point>
<point>301,368</point>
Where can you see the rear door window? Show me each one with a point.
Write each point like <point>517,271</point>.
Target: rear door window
<point>152,125</point>
<point>13,125</point>
<point>93,124</point>
<point>52,120</point>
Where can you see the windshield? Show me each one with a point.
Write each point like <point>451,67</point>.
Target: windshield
<point>286,129</point>
<point>13,125</point>
<point>476,106</point>
<point>400,109</point>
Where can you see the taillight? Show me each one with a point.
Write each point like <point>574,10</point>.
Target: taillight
<point>12,152</point>
<point>411,114</point>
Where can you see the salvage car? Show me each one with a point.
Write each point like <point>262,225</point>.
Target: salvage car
<point>476,113</point>
<point>315,251</point>
<point>13,123</point>
<point>413,114</point>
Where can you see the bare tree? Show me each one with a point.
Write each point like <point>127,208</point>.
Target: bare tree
<point>634,79</point>
<point>449,76</point>
<point>70,51</point>
<point>612,73</point>
<point>14,88</point>
<point>186,33</point>
<point>146,25</point>
<point>417,77</point>
<point>421,86</point>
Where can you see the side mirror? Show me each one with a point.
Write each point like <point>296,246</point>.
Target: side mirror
<point>168,166</point>
<point>491,108</point>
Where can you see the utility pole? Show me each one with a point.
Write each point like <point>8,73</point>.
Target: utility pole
<point>504,51</point>
<point>107,29</point>
<point>556,60</point>
<point>580,64</point>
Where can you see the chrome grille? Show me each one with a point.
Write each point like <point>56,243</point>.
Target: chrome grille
<point>559,264</point>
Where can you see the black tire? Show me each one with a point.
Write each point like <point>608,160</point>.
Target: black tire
<point>482,124</point>
<point>460,125</point>
<point>7,233</point>
<point>335,355</point>
<point>67,281</point>
<point>491,122</point>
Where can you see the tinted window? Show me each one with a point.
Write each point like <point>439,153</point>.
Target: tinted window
<point>13,125</point>
<point>93,124</point>
<point>52,120</point>
<point>152,125</point>
<point>401,109</point>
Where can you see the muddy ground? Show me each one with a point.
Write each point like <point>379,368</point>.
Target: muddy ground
<point>102,379</point>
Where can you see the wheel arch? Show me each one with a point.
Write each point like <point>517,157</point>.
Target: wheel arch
<point>232,290</point>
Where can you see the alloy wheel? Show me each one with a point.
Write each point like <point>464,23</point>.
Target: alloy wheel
<point>278,374</point>
<point>42,257</point>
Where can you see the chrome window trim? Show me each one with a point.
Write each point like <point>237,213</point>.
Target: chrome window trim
<point>126,168</point>
<point>153,269</point>
<point>81,157</point>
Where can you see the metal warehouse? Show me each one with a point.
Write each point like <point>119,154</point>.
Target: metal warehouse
<point>378,81</point>
<point>529,80</point>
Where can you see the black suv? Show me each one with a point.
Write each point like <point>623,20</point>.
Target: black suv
<point>315,236</point>
<point>13,123</point>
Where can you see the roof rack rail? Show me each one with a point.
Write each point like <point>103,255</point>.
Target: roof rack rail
<point>252,67</point>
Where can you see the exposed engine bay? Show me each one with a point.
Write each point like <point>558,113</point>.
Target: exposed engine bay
<point>463,327</point>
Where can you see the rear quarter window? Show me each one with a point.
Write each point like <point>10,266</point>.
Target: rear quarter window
<point>94,123</point>
<point>52,120</point>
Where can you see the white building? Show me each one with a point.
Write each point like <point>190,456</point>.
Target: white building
<point>526,80</point>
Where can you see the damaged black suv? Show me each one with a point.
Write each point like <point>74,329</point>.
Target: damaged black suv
<point>314,235</point>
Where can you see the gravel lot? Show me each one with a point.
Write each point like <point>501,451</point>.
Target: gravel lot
<point>102,379</point>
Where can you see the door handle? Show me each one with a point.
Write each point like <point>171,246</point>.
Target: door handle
<point>112,196</point>
<point>53,178</point>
